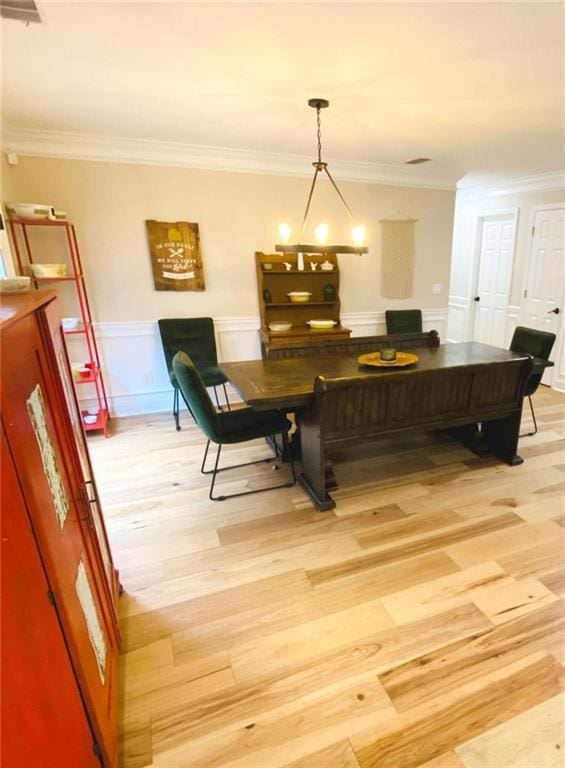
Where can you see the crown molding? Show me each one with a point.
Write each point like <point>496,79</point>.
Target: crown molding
<point>548,181</point>
<point>78,146</point>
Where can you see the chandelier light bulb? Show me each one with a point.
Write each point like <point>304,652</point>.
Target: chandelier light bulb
<point>284,232</point>
<point>322,233</point>
<point>358,234</point>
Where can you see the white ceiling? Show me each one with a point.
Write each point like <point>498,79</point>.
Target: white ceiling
<point>478,87</point>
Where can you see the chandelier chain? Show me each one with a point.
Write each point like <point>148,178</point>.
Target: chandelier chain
<point>319,122</point>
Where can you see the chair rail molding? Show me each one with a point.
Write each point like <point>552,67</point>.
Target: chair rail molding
<point>137,379</point>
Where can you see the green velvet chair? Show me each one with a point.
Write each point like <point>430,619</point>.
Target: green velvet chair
<point>403,320</point>
<point>195,336</point>
<point>228,427</point>
<point>539,344</point>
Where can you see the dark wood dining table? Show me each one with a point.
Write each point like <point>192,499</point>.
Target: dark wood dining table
<point>289,385</point>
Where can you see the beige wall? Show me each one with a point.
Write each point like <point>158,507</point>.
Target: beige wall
<point>238,213</point>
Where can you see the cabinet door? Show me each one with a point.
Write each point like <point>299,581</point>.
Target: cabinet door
<point>72,429</point>
<point>43,714</point>
<point>54,502</point>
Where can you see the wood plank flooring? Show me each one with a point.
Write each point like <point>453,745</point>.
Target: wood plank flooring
<point>420,624</point>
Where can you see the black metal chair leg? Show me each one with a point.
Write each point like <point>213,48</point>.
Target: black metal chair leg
<point>232,466</point>
<point>204,459</point>
<point>216,470</point>
<point>226,396</point>
<point>530,434</point>
<point>214,473</point>
<point>216,396</point>
<point>176,408</point>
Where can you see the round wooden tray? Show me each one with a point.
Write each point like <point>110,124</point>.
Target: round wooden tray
<point>374,359</point>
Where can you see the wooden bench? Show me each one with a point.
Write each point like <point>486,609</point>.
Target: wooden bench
<point>356,345</point>
<point>458,397</point>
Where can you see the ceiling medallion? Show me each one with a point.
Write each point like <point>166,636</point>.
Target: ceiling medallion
<point>322,231</point>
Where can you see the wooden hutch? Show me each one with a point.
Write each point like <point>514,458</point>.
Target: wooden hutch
<point>275,282</point>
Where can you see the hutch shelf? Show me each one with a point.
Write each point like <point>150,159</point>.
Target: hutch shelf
<point>22,247</point>
<point>274,283</point>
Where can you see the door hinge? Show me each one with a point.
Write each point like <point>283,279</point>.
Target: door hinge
<point>525,293</point>
<point>533,230</point>
<point>51,598</point>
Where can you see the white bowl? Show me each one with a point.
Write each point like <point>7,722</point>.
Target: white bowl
<point>31,211</point>
<point>91,419</point>
<point>70,323</point>
<point>280,327</point>
<point>48,270</point>
<point>321,324</point>
<point>299,297</point>
<point>94,410</point>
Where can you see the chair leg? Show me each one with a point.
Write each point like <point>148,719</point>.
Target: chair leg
<point>176,413</point>
<point>216,470</point>
<point>226,396</point>
<point>232,466</point>
<point>530,434</point>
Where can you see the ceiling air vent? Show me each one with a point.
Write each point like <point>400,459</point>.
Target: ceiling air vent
<point>418,160</point>
<point>20,10</point>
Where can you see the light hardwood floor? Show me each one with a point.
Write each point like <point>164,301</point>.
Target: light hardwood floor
<point>420,624</point>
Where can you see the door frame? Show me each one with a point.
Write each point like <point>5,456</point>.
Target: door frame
<point>513,212</point>
<point>559,350</point>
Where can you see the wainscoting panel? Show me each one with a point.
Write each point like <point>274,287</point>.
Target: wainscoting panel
<point>457,318</point>
<point>134,367</point>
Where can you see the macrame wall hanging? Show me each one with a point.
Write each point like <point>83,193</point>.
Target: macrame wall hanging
<point>397,257</point>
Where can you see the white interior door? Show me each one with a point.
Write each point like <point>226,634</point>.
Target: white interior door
<point>543,306</point>
<point>493,283</point>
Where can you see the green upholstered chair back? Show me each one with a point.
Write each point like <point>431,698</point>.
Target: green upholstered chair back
<point>532,342</point>
<point>196,396</point>
<point>403,320</point>
<point>192,335</point>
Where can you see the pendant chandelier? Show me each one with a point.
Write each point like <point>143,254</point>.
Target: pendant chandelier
<point>322,231</point>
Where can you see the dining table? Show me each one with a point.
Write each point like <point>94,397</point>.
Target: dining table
<point>472,390</point>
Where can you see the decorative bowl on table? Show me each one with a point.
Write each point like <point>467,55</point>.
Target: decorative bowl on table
<point>48,270</point>
<point>321,325</point>
<point>280,327</point>
<point>299,297</point>
<point>374,359</point>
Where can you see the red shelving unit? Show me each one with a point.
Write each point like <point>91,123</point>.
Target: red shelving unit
<point>22,248</point>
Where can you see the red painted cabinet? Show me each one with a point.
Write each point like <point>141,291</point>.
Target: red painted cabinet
<point>58,508</point>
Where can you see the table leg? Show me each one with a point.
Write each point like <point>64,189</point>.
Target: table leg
<point>471,437</point>
<point>313,475</point>
<point>501,437</point>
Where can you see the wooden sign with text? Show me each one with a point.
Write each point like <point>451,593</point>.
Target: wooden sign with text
<point>175,255</point>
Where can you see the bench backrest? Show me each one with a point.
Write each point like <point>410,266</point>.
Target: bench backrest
<point>377,403</point>
<point>356,345</point>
